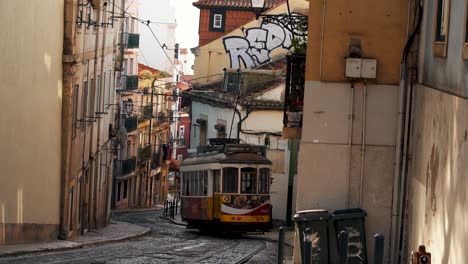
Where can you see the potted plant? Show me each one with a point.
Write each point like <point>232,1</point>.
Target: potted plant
<point>294,112</point>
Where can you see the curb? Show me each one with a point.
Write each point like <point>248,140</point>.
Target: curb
<point>173,221</point>
<point>79,245</point>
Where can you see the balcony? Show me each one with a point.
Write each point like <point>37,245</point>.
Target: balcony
<point>131,41</point>
<point>129,82</point>
<point>128,165</point>
<point>147,112</point>
<point>294,96</point>
<point>161,118</point>
<point>131,123</point>
<point>144,153</point>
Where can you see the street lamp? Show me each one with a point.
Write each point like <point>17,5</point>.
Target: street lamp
<point>257,6</point>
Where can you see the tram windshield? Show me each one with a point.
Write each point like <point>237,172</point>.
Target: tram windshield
<point>230,176</point>
<point>249,180</point>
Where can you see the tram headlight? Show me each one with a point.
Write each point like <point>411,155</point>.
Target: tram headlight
<point>226,198</point>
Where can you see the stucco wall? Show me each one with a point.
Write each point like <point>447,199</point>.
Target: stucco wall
<point>438,182</point>
<point>332,24</point>
<point>324,157</point>
<point>31,53</point>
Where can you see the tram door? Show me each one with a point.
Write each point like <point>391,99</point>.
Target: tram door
<point>216,190</point>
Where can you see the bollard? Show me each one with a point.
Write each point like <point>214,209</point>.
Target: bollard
<point>307,246</point>
<point>379,249</point>
<point>281,245</point>
<point>343,247</point>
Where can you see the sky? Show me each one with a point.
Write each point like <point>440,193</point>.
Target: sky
<point>167,13</point>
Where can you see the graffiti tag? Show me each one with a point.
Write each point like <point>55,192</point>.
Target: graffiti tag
<point>255,47</point>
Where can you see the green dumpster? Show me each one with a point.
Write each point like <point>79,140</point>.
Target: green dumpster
<point>317,222</point>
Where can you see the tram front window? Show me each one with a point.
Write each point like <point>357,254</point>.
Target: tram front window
<point>230,180</point>
<point>249,180</point>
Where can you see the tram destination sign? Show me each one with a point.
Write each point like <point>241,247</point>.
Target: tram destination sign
<point>241,148</point>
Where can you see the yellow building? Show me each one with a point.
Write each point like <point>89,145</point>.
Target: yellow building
<point>31,75</point>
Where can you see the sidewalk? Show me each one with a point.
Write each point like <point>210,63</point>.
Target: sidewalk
<point>122,211</point>
<point>116,231</point>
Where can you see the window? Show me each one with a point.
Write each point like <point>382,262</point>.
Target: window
<point>78,199</point>
<point>70,209</point>
<point>249,180</point>
<point>216,178</point>
<point>129,148</point>
<point>182,136</point>
<point>75,109</point>
<point>217,20</point>
<point>90,100</point>
<point>264,181</point>
<point>98,94</point>
<point>230,180</point>
<point>179,158</point>
<point>441,28</point>
<point>111,91</point>
<point>105,91</point>
<point>125,189</point>
<point>232,82</point>
<point>204,182</point>
<point>84,100</point>
<point>119,186</point>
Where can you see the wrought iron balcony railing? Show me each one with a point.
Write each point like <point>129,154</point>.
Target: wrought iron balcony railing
<point>128,165</point>
<point>131,41</point>
<point>131,123</point>
<point>144,153</point>
<point>129,82</point>
<point>147,111</point>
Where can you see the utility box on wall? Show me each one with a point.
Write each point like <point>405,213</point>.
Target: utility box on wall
<point>361,68</point>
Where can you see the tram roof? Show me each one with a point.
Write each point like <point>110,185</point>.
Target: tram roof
<point>229,153</point>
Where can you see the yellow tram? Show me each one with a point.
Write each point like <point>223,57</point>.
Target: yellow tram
<point>226,186</point>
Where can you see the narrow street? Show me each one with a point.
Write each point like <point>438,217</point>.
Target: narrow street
<point>167,243</point>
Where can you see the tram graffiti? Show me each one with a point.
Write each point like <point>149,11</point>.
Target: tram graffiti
<point>255,46</point>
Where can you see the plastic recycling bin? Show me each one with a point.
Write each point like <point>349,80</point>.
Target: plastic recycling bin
<point>351,221</point>
<point>317,222</point>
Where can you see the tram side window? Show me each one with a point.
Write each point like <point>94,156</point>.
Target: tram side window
<point>248,180</point>
<point>216,175</point>
<point>205,183</point>
<point>230,176</point>
<point>186,183</point>
<point>264,181</point>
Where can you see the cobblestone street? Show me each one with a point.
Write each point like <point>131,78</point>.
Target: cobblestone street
<point>167,243</point>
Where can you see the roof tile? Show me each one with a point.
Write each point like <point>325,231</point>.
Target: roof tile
<point>234,3</point>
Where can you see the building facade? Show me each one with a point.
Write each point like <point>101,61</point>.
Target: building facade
<point>436,191</point>
<point>90,53</point>
<point>32,95</point>
<point>351,120</point>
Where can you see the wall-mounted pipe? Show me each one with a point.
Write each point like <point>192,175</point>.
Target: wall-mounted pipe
<point>350,142</point>
<point>400,173</point>
<point>363,142</point>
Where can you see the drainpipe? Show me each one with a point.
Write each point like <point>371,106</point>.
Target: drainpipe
<point>402,143</point>
<point>363,142</point>
<point>350,140</point>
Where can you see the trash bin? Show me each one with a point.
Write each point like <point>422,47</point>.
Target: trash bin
<point>351,221</point>
<point>317,222</point>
